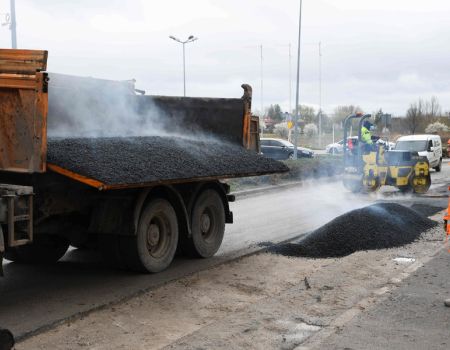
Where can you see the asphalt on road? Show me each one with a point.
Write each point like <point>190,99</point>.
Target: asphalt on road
<point>35,297</point>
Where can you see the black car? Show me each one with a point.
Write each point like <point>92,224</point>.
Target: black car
<point>282,149</point>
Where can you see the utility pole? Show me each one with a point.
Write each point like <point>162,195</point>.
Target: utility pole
<point>290,80</point>
<point>320,94</point>
<point>184,70</point>
<point>298,82</point>
<point>262,87</point>
<point>12,26</point>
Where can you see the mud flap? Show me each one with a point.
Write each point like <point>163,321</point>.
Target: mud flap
<point>6,339</point>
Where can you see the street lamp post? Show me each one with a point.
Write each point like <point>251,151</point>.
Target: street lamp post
<point>188,40</point>
<point>13,24</point>
<point>320,94</point>
<point>10,19</point>
<point>298,83</point>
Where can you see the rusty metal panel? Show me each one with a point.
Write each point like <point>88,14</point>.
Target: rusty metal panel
<point>254,143</point>
<point>23,110</point>
<point>23,114</point>
<point>22,61</point>
<point>18,82</point>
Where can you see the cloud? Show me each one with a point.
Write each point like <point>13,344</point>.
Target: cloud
<point>383,53</point>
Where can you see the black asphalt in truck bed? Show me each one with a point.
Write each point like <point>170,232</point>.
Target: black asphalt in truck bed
<point>378,226</point>
<point>152,159</point>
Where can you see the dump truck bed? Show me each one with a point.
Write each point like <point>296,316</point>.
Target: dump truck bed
<point>104,134</point>
<point>120,162</point>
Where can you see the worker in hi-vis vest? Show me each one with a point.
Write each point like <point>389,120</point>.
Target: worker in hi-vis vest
<point>366,136</point>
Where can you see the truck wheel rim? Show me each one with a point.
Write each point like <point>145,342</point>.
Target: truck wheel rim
<point>158,236</point>
<point>206,224</point>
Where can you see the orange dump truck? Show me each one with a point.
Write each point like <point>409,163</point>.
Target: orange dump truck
<point>91,162</point>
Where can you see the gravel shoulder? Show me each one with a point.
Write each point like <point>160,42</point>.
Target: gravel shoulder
<point>263,301</point>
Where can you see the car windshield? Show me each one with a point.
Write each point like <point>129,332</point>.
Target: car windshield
<point>414,146</point>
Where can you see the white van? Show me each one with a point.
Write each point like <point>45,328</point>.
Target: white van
<point>425,145</point>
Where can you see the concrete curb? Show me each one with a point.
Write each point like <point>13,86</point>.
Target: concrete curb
<point>290,184</point>
<point>257,190</point>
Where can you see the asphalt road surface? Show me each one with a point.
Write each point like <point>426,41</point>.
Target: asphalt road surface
<point>36,297</point>
<point>412,317</point>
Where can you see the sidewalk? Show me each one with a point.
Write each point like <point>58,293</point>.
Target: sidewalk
<point>412,317</point>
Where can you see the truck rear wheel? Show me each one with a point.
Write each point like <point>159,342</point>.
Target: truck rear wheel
<point>208,224</point>
<point>154,246</point>
<point>45,249</point>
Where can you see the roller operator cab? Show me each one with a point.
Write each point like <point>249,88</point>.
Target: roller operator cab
<point>429,146</point>
<point>367,167</point>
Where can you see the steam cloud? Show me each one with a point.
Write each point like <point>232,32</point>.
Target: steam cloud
<point>88,107</point>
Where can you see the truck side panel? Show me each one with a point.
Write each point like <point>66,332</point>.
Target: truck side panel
<point>23,111</point>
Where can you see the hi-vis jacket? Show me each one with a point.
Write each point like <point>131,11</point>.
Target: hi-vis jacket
<point>366,136</point>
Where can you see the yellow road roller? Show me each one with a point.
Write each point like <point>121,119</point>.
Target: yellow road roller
<point>367,167</point>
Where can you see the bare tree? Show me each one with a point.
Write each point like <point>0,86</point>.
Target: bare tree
<point>340,112</point>
<point>432,109</point>
<point>307,113</point>
<point>414,116</point>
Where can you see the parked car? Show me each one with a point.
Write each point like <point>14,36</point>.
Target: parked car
<point>338,147</point>
<point>389,145</point>
<point>282,149</point>
<point>426,145</point>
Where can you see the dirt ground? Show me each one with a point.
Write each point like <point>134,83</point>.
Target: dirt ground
<point>262,301</point>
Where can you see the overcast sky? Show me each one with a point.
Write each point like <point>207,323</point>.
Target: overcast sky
<point>384,53</point>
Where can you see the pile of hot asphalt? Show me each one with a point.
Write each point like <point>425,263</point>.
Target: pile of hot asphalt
<point>378,226</point>
<point>137,160</point>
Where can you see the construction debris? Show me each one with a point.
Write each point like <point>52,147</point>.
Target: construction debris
<point>378,226</point>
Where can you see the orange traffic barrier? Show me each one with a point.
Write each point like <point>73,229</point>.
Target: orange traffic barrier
<point>447,222</point>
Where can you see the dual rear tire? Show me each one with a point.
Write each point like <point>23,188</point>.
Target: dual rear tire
<point>208,225</point>
<point>153,247</point>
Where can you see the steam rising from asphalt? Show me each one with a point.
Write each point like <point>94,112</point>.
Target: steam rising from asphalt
<point>324,199</point>
<point>87,107</point>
